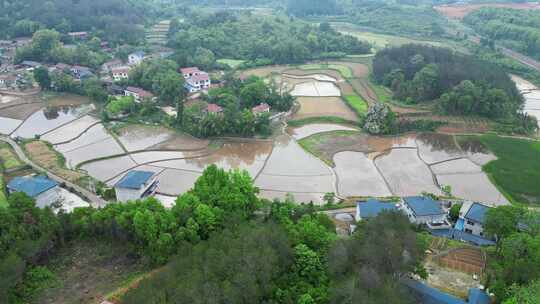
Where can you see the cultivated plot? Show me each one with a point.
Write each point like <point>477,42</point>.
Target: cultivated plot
<point>435,147</point>
<point>358,176</point>
<point>316,89</point>
<point>70,131</point>
<point>324,106</point>
<point>405,173</point>
<point>140,137</point>
<point>104,170</point>
<point>8,125</point>
<point>50,118</point>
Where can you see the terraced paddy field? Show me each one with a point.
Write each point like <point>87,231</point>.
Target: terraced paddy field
<point>324,106</point>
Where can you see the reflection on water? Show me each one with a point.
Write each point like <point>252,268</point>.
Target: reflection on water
<point>50,118</point>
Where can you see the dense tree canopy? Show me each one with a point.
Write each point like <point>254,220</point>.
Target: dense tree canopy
<point>463,84</point>
<point>367,267</point>
<point>517,29</point>
<point>113,20</point>
<point>313,7</point>
<point>204,37</point>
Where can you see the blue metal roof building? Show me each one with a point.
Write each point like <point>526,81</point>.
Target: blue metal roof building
<point>430,295</point>
<point>32,186</point>
<point>134,179</point>
<point>372,208</point>
<point>423,206</point>
<point>477,213</point>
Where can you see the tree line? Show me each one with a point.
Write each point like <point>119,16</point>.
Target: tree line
<point>118,21</point>
<point>252,250</point>
<point>461,84</point>
<point>517,29</point>
<point>203,37</point>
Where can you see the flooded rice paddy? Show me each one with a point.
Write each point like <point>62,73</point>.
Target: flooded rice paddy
<point>405,173</point>
<point>324,106</point>
<point>316,89</point>
<point>358,176</point>
<point>70,131</point>
<point>362,165</point>
<point>8,125</point>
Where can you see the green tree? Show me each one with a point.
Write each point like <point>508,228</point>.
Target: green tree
<point>41,75</point>
<point>502,222</point>
<point>454,211</point>
<point>529,294</point>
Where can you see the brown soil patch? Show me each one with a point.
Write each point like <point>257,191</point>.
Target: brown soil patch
<point>21,112</point>
<point>88,271</point>
<point>460,11</point>
<point>46,157</point>
<point>324,106</point>
<point>364,89</point>
<point>328,145</point>
<point>346,88</point>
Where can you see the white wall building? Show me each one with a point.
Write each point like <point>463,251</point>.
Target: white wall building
<point>135,185</point>
<point>136,58</point>
<point>424,210</point>
<point>472,217</point>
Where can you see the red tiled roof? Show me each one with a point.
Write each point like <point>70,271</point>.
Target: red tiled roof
<point>263,107</point>
<point>201,77</point>
<point>120,70</point>
<point>214,108</point>
<point>190,70</point>
<point>142,93</point>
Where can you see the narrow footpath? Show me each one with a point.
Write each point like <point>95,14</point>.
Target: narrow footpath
<point>94,200</point>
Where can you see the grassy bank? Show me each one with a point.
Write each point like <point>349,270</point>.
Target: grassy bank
<point>516,172</point>
<point>357,103</point>
<point>325,145</point>
<point>8,158</point>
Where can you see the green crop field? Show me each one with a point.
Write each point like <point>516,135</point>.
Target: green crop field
<point>357,103</point>
<point>8,158</point>
<point>517,170</point>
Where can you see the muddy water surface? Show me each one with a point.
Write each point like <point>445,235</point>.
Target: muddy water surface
<point>70,131</point>
<point>140,137</point>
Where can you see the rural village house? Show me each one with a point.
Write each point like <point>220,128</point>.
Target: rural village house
<point>196,80</point>
<point>120,73</point>
<point>425,210</point>
<point>214,108</point>
<point>42,189</point>
<point>372,207</point>
<point>471,218</point>
<point>135,185</point>
<point>260,109</point>
<point>139,94</point>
